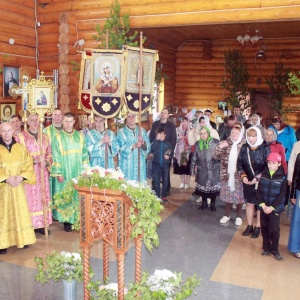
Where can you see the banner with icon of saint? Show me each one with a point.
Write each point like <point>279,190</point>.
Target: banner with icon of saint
<point>133,74</point>
<point>107,82</point>
<point>85,81</point>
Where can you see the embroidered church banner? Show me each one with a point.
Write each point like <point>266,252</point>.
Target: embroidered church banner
<point>107,82</point>
<point>85,81</point>
<point>132,84</point>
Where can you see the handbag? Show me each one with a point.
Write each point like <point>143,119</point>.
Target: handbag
<point>256,183</point>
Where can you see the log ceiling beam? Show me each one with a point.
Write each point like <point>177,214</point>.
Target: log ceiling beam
<point>217,17</point>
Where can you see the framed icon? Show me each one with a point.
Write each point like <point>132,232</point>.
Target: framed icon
<point>11,76</point>
<point>6,111</point>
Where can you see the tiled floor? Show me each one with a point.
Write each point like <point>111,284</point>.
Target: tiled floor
<point>191,241</point>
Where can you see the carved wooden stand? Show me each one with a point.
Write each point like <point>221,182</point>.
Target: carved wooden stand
<point>105,214</point>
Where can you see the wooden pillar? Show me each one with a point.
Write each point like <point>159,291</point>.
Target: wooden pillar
<point>105,261</point>
<point>138,258</point>
<point>121,283</point>
<point>86,267</point>
<point>66,21</point>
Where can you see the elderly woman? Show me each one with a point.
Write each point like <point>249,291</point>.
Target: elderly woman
<point>182,154</point>
<point>231,184</point>
<point>294,237</point>
<point>208,169</point>
<point>275,146</point>
<point>251,162</point>
<point>285,135</point>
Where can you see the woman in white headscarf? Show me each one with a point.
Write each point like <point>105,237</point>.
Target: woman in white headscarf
<point>251,162</point>
<point>255,121</point>
<point>194,133</point>
<point>231,186</point>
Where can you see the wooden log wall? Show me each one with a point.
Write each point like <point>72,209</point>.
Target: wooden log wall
<point>198,81</point>
<point>17,22</point>
<point>83,28</point>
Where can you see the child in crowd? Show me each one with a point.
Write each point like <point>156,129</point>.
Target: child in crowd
<point>271,196</point>
<point>161,151</point>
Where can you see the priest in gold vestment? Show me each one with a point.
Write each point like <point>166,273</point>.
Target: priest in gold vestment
<point>16,168</point>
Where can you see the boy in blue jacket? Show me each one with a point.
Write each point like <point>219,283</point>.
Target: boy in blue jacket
<point>271,196</point>
<point>161,151</point>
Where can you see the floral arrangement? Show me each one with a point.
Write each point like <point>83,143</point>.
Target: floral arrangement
<point>59,266</point>
<point>162,285</point>
<point>145,209</point>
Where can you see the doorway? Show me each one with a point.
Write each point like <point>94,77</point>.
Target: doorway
<point>260,102</point>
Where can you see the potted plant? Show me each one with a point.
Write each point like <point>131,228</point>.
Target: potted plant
<point>236,82</point>
<point>117,28</point>
<point>278,84</point>
<point>294,83</point>
<point>63,266</point>
<point>145,209</point>
<point>162,285</point>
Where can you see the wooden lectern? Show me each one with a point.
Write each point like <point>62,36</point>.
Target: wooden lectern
<point>104,214</point>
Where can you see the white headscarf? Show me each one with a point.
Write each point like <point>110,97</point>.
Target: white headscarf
<point>258,120</point>
<point>207,121</point>
<point>259,140</point>
<point>232,160</point>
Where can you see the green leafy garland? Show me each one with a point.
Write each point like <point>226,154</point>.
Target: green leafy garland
<point>144,212</point>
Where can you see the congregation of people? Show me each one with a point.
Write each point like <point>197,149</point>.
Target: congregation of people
<point>240,162</point>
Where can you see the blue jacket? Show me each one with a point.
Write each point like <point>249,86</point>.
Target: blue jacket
<point>170,131</point>
<point>287,138</point>
<point>271,189</point>
<point>159,149</point>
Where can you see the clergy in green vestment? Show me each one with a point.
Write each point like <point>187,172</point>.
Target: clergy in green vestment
<point>69,155</point>
<point>56,125</point>
<point>51,131</point>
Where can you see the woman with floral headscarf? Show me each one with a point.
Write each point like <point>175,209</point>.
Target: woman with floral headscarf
<point>231,191</point>
<point>182,154</point>
<point>251,162</point>
<point>208,169</point>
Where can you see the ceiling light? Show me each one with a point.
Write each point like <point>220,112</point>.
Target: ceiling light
<point>247,40</point>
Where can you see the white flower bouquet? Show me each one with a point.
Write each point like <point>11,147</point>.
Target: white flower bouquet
<point>59,266</point>
<point>162,285</point>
